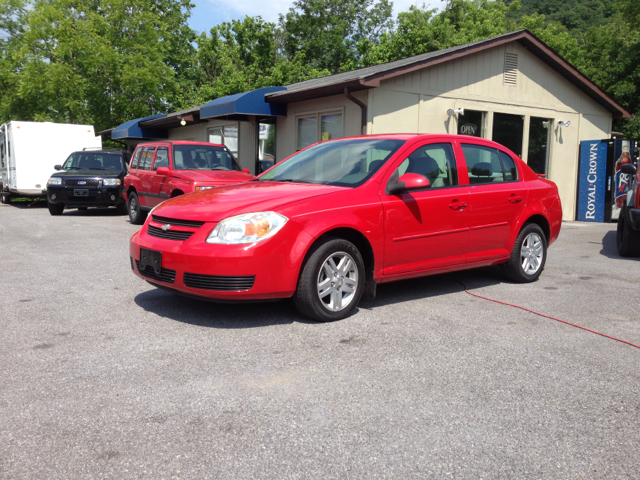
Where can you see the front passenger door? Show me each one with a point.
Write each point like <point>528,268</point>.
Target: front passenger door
<point>426,229</point>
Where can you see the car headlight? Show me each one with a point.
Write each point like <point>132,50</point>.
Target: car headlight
<point>54,181</point>
<point>111,182</point>
<point>247,228</point>
<point>202,187</point>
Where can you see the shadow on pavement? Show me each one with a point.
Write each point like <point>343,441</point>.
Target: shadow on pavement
<point>252,315</point>
<point>610,248</point>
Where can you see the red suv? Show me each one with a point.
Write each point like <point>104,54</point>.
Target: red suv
<point>330,222</point>
<point>162,170</point>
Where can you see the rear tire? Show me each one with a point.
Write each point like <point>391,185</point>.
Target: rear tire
<point>331,282</point>
<point>55,208</point>
<point>627,239</point>
<point>528,256</point>
<point>6,198</point>
<point>136,215</point>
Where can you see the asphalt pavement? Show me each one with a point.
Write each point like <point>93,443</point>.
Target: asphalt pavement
<point>104,376</point>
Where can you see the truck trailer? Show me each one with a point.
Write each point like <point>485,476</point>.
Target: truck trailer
<point>29,151</point>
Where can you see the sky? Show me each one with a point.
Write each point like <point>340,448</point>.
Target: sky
<point>208,13</point>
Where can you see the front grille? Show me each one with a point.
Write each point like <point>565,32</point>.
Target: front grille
<point>167,276</point>
<point>176,222</point>
<point>74,183</point>
<point>168,234</point>
<point>220,283</point>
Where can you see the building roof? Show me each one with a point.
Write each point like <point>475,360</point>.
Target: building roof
<point>370,77</point>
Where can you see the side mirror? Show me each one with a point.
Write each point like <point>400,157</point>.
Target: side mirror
<point>629,169</point>
<point>163,171</point>
<point>407,183</point>
<point>246,170</point>
<point>58,167</point>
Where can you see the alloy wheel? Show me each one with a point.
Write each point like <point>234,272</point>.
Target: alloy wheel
<point>531,253</point>
<point>337,281</point>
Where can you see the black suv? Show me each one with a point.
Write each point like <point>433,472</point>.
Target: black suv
<point>90,178</point>
<point>629,220</point>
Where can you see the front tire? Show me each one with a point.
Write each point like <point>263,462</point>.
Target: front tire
<point>122,208</point>
<point>55,208</point>
<point>331,282</point>
<point>6,198</point>
<point>627,239</point>
<point>528,256</point>
<point>136,215</point>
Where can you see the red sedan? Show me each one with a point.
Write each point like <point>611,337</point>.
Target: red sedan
<point>330,222</point>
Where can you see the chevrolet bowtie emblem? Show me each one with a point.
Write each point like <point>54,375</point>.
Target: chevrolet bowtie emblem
<point>165,227</point>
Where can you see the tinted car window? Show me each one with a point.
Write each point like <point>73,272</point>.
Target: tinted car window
<point>203,157</point>
<point>435,162</point>
<point>483,164</point>
<point>162,158</point>
<point>94,161</point>
<point>510,170</point>
<point>347,163</point>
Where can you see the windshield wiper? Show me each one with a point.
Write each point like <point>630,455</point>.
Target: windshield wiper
<point>75,168</point>
<point>291,180</point>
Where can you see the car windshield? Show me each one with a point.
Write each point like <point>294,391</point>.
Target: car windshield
<point>346,163</point>
<point>94,161</point>
<point>203,157</point>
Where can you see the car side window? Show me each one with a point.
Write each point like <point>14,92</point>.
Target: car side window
<point>147,157</point>
<point>435,161</point>
<point>136,158</point>
<point>483,164</point>
<point>162,158</point>
<point>510,170</point>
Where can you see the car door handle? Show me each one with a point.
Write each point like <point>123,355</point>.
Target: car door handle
<point>515,198</point>
<point>456,205</point>
<point>151,177</point>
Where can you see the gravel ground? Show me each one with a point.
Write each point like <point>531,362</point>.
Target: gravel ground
<point>104,376</point>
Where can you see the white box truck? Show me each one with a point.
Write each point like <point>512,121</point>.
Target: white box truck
<point>29,151</point>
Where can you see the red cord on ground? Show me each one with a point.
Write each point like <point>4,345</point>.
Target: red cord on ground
<point>545,316</point>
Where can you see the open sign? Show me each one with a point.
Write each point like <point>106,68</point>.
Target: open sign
<point>469,129</point>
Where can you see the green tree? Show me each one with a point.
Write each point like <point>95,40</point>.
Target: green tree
<point>243,55</point>
<point>326,33</point>
<point>93,62</point>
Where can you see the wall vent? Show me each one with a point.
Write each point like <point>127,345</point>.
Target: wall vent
<point>510,68</point>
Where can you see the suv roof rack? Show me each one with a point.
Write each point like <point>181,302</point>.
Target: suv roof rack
<point>108,149</point>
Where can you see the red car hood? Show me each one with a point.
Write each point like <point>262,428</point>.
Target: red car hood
<point>222,177</point>
<point>222,202</point>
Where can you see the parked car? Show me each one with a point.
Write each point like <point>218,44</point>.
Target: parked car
<point>330,222</point>
<point>162,170</point>
<point>88,178</point>
<point>628,237</point>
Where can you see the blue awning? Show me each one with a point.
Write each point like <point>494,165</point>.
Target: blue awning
<point>246,103</point>
<point>131,129</point>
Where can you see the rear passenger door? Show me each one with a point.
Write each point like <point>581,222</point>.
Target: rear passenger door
<point>497,199</point>
<point>145,174</point>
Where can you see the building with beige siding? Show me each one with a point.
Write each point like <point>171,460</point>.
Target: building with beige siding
<point>512,89</point>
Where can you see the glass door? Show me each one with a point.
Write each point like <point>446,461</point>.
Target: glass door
<point>508,130</point>
<point>538,154</point>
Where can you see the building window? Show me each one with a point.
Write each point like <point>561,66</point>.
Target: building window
<point>538,154</point>
<point>471,123</point>
<point>508,131</point>
<point>318,127</point>
<point>226,135</point>
<point>266,146</point>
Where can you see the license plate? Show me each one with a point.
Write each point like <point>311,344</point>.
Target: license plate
<point>151,258</point>
<point>81,192</point>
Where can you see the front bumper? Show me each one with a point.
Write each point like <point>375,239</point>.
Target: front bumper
<point>91,197</point>
<point>260,271</point>
<point>634,218</point>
